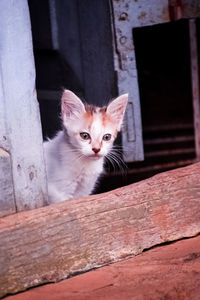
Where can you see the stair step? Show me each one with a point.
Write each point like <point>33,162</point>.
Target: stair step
<point>169,152</point>
<point>161,167</point>
<point>168,127</point>
<point>167,140</point>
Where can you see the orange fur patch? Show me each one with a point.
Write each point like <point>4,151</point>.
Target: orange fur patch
<point>93,111</point>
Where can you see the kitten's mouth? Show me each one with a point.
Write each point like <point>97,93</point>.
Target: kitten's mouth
<point>95,156</point>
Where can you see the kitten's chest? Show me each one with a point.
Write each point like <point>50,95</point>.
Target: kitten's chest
<point>84,173</point>
<point>80,178</point>
<point>86,181</point>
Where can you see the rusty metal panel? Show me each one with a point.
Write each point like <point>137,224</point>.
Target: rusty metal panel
<point>126,15</point>
<point>184,9</point>
<point>191,8</point>
<point>129,14</point>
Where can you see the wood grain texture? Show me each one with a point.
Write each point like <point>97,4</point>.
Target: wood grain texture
<point>167,272</point>
<point>20,134</point>
<point>51,243</point>
<point>7,201</point>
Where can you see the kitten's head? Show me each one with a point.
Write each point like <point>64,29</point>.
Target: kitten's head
<point>92,130</point>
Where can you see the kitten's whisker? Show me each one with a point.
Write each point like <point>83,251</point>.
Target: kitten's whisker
<point>113,163</point>
<point>116,154</point>
<point>109,159</point>
<point>78,158</point>
<point>120,160</point>
<point>77,150</point>
<point>121,149</point>
<point>116,160</point>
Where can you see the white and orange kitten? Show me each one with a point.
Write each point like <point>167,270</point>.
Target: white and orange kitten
<point>75,156</point>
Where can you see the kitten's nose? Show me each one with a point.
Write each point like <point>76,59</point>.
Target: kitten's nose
<point>96,150</point>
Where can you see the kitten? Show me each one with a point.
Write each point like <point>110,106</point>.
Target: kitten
<point>75,156</point>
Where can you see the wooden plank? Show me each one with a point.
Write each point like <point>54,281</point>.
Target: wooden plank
<point>167,272</point>
<point>169,127</point>
<point>162,167</point>
<point>170,152</point>
<point>21,112</point>
<point>51,243</point>
<point>173,139</point>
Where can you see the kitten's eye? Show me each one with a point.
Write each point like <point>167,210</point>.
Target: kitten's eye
<point>85,135</point>
<point>107,137</point>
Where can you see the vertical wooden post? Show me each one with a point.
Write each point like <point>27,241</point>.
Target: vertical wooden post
<point>7,201</point>
<point>195,84</point>
<point>20,130</point>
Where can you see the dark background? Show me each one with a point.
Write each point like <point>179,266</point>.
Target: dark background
<point>82,60</point>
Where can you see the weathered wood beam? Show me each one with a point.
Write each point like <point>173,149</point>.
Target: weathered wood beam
<point>20,126</point>
<point>51,243</point>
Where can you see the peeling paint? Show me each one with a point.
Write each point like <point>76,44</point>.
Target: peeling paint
<point>123,16</point>
<point>31,175</point>
<point>142,15</point>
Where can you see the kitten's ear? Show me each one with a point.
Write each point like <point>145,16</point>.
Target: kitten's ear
<point>71,106</point>
<point>116,109</point>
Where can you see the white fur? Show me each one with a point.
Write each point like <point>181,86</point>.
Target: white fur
<point>72,166</point>
<point>68,174</point>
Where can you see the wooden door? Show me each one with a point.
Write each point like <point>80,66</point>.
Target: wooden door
<point>22,170</point>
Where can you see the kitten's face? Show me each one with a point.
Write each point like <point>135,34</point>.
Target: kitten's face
<point>93,134</point>
<point>92,130</point>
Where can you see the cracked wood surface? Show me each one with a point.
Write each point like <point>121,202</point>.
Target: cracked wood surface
<point>169,272</point>
<point>50,243</point>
